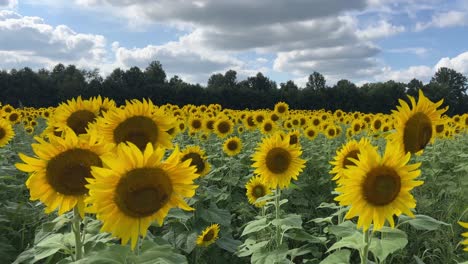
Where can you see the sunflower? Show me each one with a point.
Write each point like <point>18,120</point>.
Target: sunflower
<point>267,127</point>
<point>208,236</point>
<point>76,114</point>
<point>232,146</point>
<point>135,188</point>
<point>105,104</point>
<point>8,108</point>
<point>59,172</point>
<point>195,124</point>
<point>139,123</point>
<point>256,189</point>
<point>465,235</point>
<point>14,117</point>
<point>378,187</point>
<point>345,155</point>
<point>198,159</point>
<point>294,137</point>
<point>277,161</point>
<point>223,127</point>
<point>281,108</point>
<point>416,127</point>
<point>310,133</point>
<point>29,129</point>
<point>331,131</point>
<point>6,132</point>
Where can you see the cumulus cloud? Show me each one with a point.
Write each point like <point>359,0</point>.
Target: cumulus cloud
<point>445,19</point>
<point>380,30</point>
<point>458,63</point>
<point>30,37</point>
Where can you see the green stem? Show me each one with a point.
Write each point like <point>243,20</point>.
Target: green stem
<point>76,230</point>
<point>365,251</point>
<point>277,209</point>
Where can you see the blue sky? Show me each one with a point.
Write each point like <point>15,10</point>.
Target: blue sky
<point>359,40</point>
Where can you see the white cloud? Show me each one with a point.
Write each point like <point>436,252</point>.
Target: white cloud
<point>405,75</point>
<point>24,37</point>
<point>380,30</point>
<point>445,19</point>
<point>458,63</point>
<point>420,51</point>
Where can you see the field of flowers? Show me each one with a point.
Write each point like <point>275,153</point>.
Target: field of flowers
<point>90,181</point>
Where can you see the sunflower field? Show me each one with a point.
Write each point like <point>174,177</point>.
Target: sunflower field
<point>90,181</point>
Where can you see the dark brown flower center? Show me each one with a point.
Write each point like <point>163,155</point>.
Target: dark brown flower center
<point>258,191</point>
<point>143,191</point>
<point>139,130</point>
<point>381,186</point>
<point>78,121</point>
<point>352,154</point>
<point>209,236</point>
<point>2,133</point>
<point>196,124</point>
<point>223,127</point>
<point>232,145</point>
<point>196,160</point>
<point>278,160</point>
<point>267,127</point>
<point>417,133</point>
<point>67,172</point>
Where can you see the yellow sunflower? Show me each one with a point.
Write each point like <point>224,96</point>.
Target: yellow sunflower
<point>139,123</point>
<point>232,146</point>
<point>14,117</point>
<point>198,159</point>
<point>294,137</point>
<point>281,108</point>
<point>267,127</point>
<point>59,172</point>
<point>377,188</point>
<point>310,132</point>
<point>6,132</point>
<point>208,236</point>
<point>415,127</point>
<point>76,114</point>
<point>277,161</point>
<point>136,188</point>
<point>256,189</point>
<point>195,124</point>
<point>223,127</point>
<point>465,235</point>
<point>345,154</point>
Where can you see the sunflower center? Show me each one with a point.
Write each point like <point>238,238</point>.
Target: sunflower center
<point>78,121</point>
<point>267,127</point>
<point>250,121</point>
<point>196,124</point>
<point>140,130</point>
<point>210,124</point>
<point>281,109</point>
<point>196,160</point>
<point>259,118</point>
<point>278,160</point>
<point>67,172</point>
<point>2,132</point>
<point>258,191</point>
<point>293,139</point>
<point>331,132</point>
<point>381,186</point>
<point>352,154</point>
<point>274,117</point>
<point>232,145</point>
<point>377,124</point>
<point>224,127</point>
<point>209,236</point>
<point>417,133</point>
<point>311,133</point>
<point>13,117</point>
<point>143,191</point>
<point>439,128</point>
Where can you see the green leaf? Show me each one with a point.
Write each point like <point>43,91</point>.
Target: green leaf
<point>347,228</point>
<point>152,253</point>
<point>354,241</point>
<point>255,226</point>
<point>337,257</point>
<point>251,246</point>
<point>114,254</point>
<point>290,221</point>
<point>49,246</point>
<point>302,235</point>
<point>215,215</point>
<point>393,240</point>
<point>268,257</point>
<point>422,222</point>
<point>228,244</point>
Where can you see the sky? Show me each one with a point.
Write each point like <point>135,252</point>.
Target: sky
<point>358,40</point>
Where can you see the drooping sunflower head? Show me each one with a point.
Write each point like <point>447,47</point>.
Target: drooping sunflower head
<point>223,127</point>
<point>60,169</point>
<point>277,161</point>
<point>208,236</point>
<point>197,159</point>
<point>139,122</point>
<point>6,132</point>
<point>76,114</point>
<point>232,146</point>
<point>415,126</point>
<point>346,156</point>
<point>376,188</point>
<point>136,188</point>
<point>256,189</point>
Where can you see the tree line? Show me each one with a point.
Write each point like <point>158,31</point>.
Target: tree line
<point>42,88</point>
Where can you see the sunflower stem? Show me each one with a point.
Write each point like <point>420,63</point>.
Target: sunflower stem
<point>277,209</point>
<point>365,251</point>
<point>76,230</point>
